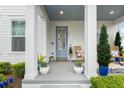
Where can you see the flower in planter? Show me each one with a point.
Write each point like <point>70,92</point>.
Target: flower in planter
<point>42,62</point>
<point>78,67</point>
<point>43,65</point>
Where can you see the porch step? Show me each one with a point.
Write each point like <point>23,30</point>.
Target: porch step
<point>61,86</point>
<point>57,84</point>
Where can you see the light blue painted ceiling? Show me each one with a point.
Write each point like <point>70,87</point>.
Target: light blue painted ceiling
<point>103,12</point>
<point>76,12</point>
<point>71,12</point>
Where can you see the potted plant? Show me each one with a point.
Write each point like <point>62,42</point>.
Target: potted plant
<point>117,42</point>
<point>43,65</point>
<point>103,51</point>
<point>51,58</point>
<point>78,66</point>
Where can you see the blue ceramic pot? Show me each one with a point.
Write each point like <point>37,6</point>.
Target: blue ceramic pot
<point>103,71</point>
<point>118,59</point>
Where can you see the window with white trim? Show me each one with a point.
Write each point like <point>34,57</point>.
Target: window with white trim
<point>18,36</point>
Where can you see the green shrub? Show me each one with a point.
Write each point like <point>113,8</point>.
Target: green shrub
<point>19,69</point>
<point>2,78</point>
<point>5,67</point>
<point>112,81</point>
<point>78,63</point>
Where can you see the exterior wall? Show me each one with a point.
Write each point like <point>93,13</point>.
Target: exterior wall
<point>17,12</point>
<point>41,36</point>
<point>44,15</point>
<point>48,39</point>
<point>46,32</point>
<point>6,14</point>
<point>76,33</point>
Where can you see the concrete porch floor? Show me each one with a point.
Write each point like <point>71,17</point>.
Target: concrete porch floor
<point>61,75</point>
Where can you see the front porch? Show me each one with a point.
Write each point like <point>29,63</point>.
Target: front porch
<point>61,75</point>
<point>89,35</point>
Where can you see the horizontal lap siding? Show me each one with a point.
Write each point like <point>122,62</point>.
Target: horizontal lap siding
<point>12,57</point>
<point>12,10</point>
<point>5,35</point>
<point>41,36</point>
<point>7,12</point>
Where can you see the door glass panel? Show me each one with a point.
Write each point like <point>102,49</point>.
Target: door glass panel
<point>61,37</point>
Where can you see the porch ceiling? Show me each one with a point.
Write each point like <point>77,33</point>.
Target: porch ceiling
<point>76,12</point>
<point>71,12</point>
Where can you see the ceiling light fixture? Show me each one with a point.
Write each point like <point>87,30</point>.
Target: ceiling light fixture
<point>112,12</point>
<point>61,12</point>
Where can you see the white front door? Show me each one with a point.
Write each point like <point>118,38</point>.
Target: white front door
<point>61,43</point>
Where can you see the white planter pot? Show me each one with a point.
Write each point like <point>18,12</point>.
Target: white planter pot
<point>44,70</point>
<point>78,70</point>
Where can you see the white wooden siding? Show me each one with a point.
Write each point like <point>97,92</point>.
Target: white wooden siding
<point>6,13</point>
<point>41,36</point>
<point>0,36</point>
<point>15,12</point>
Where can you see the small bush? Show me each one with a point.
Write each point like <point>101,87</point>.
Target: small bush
<point>112,81</point>
<point>2,78</point>
<point>19,69</point>
<point>5,67</point>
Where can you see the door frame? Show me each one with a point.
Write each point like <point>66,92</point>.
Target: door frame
<point>66,39</point>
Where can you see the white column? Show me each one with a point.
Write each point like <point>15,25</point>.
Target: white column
<point>31,42</point>
<point>90,41</point>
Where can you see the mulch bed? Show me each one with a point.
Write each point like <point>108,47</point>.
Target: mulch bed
<point>17,80</point>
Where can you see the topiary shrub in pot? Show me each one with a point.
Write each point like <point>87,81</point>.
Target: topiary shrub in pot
<point>43,65</point>
<point>117,42</point>
<point>78,66</point>
<point>103,51</point>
